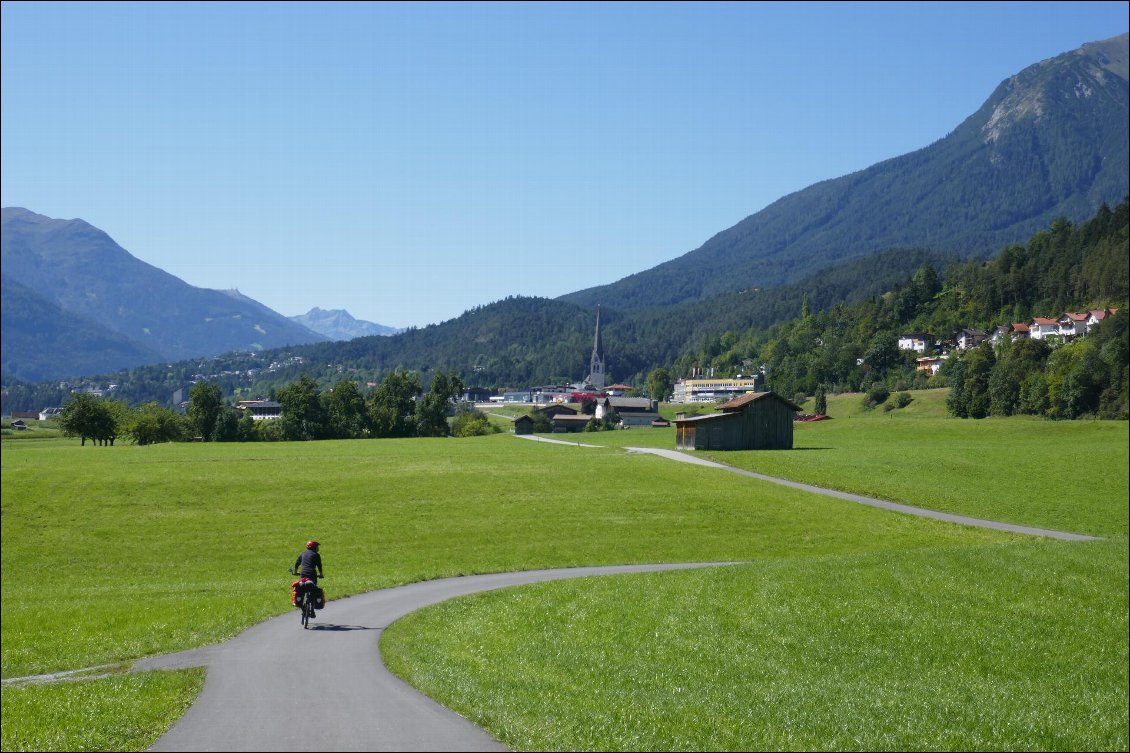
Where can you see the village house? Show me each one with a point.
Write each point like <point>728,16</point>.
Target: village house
<point>1071,325</point>
<point>967,339</point>
<point>757,421</point>
<point>1041,328</point>
<point>929,364</point>
<point>633,411</point>
<point>568,423</point>
<point>1095,316</point>
<point>916,341</point>
<point>1009,332</point>
<point>555,409</point>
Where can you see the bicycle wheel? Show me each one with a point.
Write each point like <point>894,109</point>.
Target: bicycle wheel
<point>305,612</point>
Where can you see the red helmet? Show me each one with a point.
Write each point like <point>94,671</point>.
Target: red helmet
<point>312,545</point>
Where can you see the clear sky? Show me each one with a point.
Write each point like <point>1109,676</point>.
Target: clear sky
<point>409,161</point>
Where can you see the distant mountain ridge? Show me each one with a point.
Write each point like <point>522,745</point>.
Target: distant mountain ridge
<point>80,270</point>
<point>1050,141</point>
<point>338,324</point>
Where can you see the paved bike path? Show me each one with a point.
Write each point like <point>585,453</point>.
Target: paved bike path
<point>921,512</point>
<point>277,687</point>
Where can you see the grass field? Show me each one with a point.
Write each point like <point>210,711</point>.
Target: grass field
<point>117,553</point>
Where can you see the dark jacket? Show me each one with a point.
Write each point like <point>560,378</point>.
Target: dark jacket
<point>309,564</point>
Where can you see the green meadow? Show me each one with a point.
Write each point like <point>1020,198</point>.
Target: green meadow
<point>849,627</point>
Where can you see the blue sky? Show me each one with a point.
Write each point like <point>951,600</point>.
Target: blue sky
<point>407,162</point>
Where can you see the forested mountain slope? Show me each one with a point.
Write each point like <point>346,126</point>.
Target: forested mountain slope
<point>1051,141</point>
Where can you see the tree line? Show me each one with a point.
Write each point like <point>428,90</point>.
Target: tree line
<point>398,407</point>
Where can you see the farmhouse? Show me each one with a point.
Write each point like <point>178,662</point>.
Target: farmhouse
<point>553,410</point>
<point>633,411</point>
<point>567,423</point>
<point>757,421</point>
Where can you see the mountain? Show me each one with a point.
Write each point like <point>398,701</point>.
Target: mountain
<point>337,324</point>
<point>78,269</point>
<point>1051,141</point>
<point>38,336</point>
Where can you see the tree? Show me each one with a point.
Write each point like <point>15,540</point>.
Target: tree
<point>392,405</point>
<point>226,428</point>
<point>470,422</point>
<point>431,411</point>
<point>659,384</point>
<point>956,402</point>
<point>821,401</point>
<point>89,417</point>
<point>204,404</point>
<point>153,423</point>
<point>345,411</point>
<point>979,364</point>
<point>301,415</point>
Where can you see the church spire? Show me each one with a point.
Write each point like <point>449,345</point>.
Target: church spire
<point>596,363</point>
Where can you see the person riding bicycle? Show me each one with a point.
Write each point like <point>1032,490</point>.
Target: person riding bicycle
<point>309,563</point>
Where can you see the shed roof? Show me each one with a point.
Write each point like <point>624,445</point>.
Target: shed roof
<point>740,402</point>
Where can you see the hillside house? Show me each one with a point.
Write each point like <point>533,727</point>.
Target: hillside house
<point>523,425</point>
<point>929,364</point>
<point>1095,316</point>
<point>1071,325</point>
<point>757,421</point>
<point>1008,333</point>
<point>967,339</point>
<point>1041,328</point>
<point>915,341</point>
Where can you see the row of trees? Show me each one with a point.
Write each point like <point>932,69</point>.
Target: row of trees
<point>398,407</point>
<point>102,421</point>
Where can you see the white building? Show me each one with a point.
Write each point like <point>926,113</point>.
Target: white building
<point>713,389</point>
<point>916,341</point>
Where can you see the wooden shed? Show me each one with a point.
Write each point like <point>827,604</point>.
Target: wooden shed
<point>754,421</point>
<point>523,425</point>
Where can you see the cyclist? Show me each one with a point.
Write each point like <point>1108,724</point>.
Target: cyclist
<point>309,563</point>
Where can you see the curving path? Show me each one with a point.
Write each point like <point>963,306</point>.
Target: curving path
<point>277,687</point>
<point>869,501</point>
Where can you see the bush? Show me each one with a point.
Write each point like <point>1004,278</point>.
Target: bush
<point>877,395</point>
<point>903,399</point>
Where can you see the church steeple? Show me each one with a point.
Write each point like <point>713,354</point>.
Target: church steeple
<point>596,363</point>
